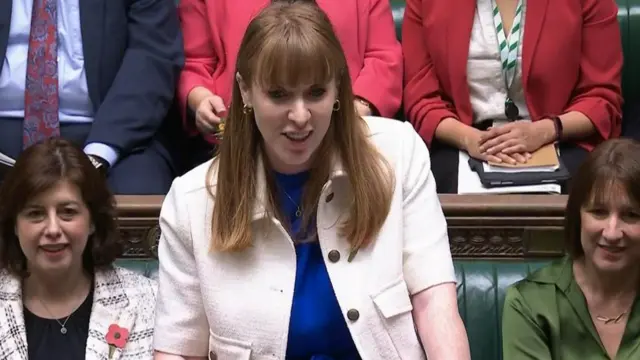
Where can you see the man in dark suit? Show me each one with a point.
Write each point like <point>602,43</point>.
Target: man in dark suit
<point>101,73</point>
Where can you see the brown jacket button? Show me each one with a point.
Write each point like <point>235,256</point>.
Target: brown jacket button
<point>213,356</point>
<point>329,197</point>
<point>334,256</point>
<point>353,315</point>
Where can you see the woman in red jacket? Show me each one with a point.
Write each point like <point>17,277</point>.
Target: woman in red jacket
<point>213,30</point>
<point>501,78</point>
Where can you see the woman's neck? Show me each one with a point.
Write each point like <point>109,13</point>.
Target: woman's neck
<point>57,288</point>
<point>605,286</point>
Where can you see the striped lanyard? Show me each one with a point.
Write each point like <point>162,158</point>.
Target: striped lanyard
<point>508,46</point>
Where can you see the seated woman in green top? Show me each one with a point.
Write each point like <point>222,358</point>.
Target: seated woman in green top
<point>586,305</point>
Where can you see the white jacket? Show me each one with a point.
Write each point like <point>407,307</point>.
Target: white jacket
<point>237,305</point>
<point>120,296</point>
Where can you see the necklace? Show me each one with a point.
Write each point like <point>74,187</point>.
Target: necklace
<point>609,320</point>
<point>63,328</point>
<point>298,208</point>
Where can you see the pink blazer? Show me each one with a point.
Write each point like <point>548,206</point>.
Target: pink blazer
<point>213,30</point>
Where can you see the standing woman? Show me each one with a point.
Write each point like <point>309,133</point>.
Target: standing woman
<point>499,79</point>
<point>213,30</point>
<point>61,297</point>
<point>314,234</point>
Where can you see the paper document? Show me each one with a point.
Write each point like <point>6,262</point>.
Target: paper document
<point>6,160</point>
<point>501,169</point>
<point>469,182</point>
<point>6,164</point>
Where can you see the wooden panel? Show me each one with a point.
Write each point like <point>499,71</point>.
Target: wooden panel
<point>480,226</point>
<point>138,221</point>
<point>505,226</point>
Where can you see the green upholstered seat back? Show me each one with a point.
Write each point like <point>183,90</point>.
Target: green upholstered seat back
<point>481,290</point>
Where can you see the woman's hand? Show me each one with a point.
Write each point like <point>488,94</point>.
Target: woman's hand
<point>517,137</point>
<point>208,109</point>
<point>473,148</point>
<point>208,114</point>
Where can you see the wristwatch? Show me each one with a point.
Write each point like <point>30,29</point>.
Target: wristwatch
<point>99,163</point>
<point>557,124</point>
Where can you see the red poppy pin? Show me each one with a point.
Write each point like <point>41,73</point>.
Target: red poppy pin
<point>116,338</point>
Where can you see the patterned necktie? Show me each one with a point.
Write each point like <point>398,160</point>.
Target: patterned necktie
<point>41,86</point>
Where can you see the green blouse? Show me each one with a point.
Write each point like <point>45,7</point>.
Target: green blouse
<point>546,317</point>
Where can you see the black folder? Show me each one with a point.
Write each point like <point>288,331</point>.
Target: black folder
<point>491,179</point>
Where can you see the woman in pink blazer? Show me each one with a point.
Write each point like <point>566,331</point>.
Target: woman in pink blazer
<point>213,30</point>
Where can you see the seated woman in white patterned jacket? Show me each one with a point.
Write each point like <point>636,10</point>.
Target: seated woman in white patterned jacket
<point>60,295</point>
<point>314,233</point>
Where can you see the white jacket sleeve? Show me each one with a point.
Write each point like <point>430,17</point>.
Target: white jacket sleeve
<point>426,252</point>
<point>181,326</point>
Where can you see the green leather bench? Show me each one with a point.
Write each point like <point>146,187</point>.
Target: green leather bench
<point>481,289</point>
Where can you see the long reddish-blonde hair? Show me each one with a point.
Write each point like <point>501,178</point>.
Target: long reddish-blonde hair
<point>290,44</point>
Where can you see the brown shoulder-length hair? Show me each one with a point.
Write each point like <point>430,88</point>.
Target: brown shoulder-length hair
<point>612,167</point>
<point>38,169</point>
<point>289,44</point>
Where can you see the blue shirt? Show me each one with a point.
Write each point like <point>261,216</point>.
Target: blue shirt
<point>317,330</point>
<point>75,104</point>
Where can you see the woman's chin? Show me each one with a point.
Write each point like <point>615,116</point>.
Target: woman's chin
<point>55,262</point>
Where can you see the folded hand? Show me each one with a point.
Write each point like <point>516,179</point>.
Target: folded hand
<point>515,137</point>
<point>474,149</point>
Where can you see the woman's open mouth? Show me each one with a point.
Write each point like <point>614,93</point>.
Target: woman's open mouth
<point>298,136</point>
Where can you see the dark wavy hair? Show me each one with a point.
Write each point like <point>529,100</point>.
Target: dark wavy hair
<point>614,163</point>
<point>38,169</point>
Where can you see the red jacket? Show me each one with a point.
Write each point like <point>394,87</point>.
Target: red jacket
<point>572,61</point>
<point>213,30</point>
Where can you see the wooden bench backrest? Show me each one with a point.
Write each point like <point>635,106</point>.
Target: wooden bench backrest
<point>480,226</point>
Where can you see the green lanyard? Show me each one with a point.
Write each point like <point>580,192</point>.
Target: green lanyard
<point>508,46</point>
